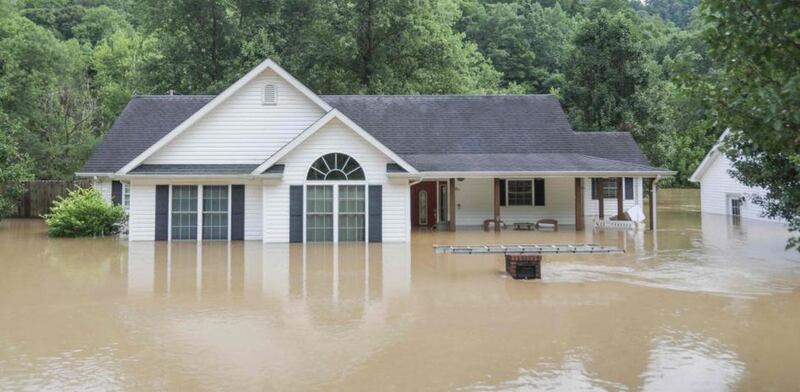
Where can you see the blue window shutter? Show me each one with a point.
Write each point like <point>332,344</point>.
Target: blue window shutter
<point>538,192</point>
<point>237,212</point>
<point>375,213</point>
<point>628,188</point>
<point>296,213</point>
<point>162,212</point>
<point>116,192</point>
<point>594,189</point>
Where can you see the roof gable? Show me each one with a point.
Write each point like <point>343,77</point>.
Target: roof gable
<point>314,128</point>
<point>218,100</point>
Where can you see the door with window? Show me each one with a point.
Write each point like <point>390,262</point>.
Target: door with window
<point>423,204</point>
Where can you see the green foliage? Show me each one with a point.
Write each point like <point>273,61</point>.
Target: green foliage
<point>607,74</point>
<point>756,93</point>
<point>15,169</point>
<point>43,89</point>
<point>83,213</point>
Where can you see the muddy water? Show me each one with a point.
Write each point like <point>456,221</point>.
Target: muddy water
<point>705,304</point>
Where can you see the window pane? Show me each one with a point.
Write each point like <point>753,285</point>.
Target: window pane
<point>215,212</point>
<point>335,167</point>
<point>184,212</point>
<point>520,193</point>
<point>351,212</point>
<point>319,208</point>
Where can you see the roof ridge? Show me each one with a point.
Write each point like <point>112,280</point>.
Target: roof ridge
<point>435,95</point>
<point>167,96</point>
<point>601,132</point>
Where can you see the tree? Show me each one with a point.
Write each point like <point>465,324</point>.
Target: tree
<point>47,95</point>
<point>15,169</point>
<point>527,43</point>
<point>607,74</point>
<point>756,45</point>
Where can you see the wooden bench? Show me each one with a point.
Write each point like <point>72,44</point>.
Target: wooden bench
<point>524,226</point>
<point>489,222</point>
<point>547,222</point>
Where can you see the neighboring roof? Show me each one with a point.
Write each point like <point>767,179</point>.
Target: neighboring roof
<point>521,162</point>
<point>143,122</point>
<point>192,169</point>
<point>709,158</point>
<point>438,133</point>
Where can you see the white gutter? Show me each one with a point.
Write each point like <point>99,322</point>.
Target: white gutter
<point>517,174</point>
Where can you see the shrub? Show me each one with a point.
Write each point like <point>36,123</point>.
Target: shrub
<point>83,212</point>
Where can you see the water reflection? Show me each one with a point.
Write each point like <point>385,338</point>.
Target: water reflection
<point>691,362</point>
<point>347,273</point>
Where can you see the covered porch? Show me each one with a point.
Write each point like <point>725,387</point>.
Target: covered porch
<point>520,202</point>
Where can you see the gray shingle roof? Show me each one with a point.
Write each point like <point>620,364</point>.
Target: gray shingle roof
<point>536,162</point>
<point>433,133</point>
<point>451,133</point>
<point>144,121</point>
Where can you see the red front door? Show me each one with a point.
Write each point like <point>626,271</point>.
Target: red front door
<point>423,204</point>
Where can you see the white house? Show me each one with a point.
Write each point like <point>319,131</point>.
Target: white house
<point>720,193</point>
<point>270,160</point>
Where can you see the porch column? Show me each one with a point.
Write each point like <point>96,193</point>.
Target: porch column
<point>578,205</point>
<point>599,192</point>
<point>451,204</point>
<point>652,204</point>
<point>620,208</point>
<point>497,205</point>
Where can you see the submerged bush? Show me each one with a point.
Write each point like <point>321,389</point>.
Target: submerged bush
<point>83,212</point>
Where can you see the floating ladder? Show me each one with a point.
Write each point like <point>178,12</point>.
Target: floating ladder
<point>526,249</point>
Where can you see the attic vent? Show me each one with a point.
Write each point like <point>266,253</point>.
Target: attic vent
<point>270,95</point>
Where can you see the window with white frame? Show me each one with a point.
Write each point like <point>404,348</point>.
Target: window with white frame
<point>335,167</point>
<point>184,212</point>
<point>352,203</point>
<point>319,213</point>
<point>215,212</point>
<point>520,192</point>
<point>126,196</point>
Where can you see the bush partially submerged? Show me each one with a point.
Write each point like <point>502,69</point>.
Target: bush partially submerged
<point>82,213</point>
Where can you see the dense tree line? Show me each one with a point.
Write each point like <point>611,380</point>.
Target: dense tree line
<point>665,70</point>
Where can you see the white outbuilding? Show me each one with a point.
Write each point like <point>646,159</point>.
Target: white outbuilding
<point>720,192</point>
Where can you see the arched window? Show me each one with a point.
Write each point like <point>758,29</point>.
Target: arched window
<point>335,167</point>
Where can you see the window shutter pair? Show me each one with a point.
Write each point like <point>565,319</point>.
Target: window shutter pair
<point>628,188</point>
<point>374,231</point>
<point>162,212</point>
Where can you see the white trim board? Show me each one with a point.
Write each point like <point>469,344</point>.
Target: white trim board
<point>316,126</point>
<point>219,99</point>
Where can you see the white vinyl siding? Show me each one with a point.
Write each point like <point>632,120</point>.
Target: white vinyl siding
<point>142,221</point>
<point>336,137</point>
<point>252,211</point>
<point>242,130</point>
<point>716,185</point>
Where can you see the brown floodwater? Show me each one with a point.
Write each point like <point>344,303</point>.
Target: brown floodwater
<point>704,304</point>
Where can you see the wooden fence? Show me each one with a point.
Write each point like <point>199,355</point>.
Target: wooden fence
<point>40,195</point>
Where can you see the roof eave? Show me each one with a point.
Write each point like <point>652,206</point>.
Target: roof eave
<point>528,174</point>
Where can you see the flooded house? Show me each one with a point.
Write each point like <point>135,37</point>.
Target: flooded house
<point>720,192</point>
<point>268,159</point>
